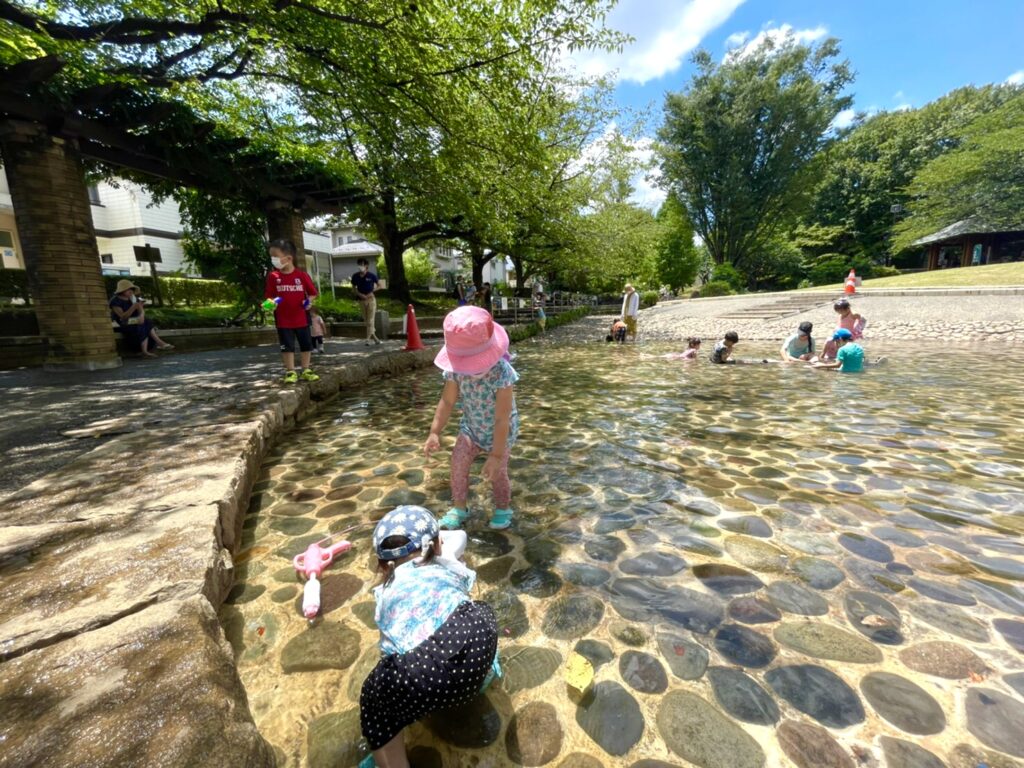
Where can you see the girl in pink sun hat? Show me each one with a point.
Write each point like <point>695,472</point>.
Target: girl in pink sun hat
<point>478,375</point>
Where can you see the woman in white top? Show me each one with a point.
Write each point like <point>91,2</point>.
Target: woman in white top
<point>630,310</point>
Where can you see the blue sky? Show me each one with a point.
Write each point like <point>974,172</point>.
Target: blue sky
<point>904,52</point>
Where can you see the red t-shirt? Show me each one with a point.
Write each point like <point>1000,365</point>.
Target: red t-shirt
<point>293,289</point>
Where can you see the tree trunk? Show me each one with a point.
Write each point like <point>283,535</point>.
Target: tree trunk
<point>479,259</point>
<point>394,249</point>
<point>284,223</point>
<point>62,261</point>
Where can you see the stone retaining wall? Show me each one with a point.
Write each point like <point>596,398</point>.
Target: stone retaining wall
<point>111,572</point>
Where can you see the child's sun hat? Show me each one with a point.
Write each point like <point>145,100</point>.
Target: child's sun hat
<point>417,524</point>
<point>473,342</point>
<point>842,334</point>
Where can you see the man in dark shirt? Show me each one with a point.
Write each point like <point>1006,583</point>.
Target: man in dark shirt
<point>365,284</point>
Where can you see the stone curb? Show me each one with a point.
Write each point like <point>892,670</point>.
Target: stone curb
<point>110,651</point>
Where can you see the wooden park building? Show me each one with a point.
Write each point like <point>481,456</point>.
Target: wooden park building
<point>973,243</point>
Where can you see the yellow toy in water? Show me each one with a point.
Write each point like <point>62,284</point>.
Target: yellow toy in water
<point>579,675</point>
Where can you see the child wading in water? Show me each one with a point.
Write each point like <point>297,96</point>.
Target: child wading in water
<point>849,320</point>
<point>477,374</point>
<point>723,349</point>
<point>438,646</point>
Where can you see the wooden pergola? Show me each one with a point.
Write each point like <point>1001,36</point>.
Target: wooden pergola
<point>46,146</point>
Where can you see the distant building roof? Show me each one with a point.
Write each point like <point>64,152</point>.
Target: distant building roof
<point>971,226</point>
<point>357,249</point>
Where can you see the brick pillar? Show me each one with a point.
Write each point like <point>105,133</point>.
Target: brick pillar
<point>51,208</point>
<point>283,221</point>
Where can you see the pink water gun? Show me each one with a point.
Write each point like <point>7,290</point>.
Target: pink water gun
<point>311,564</point>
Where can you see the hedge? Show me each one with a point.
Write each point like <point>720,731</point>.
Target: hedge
<point>175,291</point>
<point>525,331</point>
<point>14,285</point>
<point>715,288</point>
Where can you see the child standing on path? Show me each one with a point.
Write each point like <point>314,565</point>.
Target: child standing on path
<point>542,318</point>
<point>438,646</point>
<point>319,330</point>
<point>477,374</point>
<point>291,290</point>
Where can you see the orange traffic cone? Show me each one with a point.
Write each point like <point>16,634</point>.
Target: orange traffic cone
<point>851,286</point>
<point>852,275</point>
<point>412,332</point>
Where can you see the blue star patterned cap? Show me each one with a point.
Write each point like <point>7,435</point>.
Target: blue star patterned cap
<point>841,334</point>
<point>414,523</point>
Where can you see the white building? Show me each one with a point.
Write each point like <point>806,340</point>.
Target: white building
<point>124,215</point>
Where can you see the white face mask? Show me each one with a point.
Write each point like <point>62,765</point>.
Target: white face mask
<point>276,262</point>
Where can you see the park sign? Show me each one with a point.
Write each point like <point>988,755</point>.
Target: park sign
<point>148,253</point>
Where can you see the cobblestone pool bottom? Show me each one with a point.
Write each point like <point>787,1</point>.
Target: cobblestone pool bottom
<point>765,565</point>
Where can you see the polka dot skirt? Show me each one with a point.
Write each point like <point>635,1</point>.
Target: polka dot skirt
<point>445,670</point>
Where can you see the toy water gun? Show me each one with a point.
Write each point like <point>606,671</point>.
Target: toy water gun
<point>307,303</point>
<point>271,304</point>
<point>311,564</point>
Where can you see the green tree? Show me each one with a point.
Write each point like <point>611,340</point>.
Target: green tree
<point>419,269</point>
<point>736,146</point>
<point>226,239</point>
<point>677,257</point>
<point>982,179</point>
<point>868,170</point>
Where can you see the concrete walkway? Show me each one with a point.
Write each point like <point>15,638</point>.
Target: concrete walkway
<point>51,418</point>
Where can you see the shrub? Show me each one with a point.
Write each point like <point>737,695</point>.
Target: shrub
<point>178,291</point>
<point>727,273</point>
<point>834,267</point>
<point>648,298</point>
<point>881,270</point>
<point>716,288</point>
<point>14,285</point>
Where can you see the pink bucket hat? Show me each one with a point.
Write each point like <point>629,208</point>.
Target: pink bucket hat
<point>473,342</point>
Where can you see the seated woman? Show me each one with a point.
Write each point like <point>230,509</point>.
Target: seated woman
<point>128,311</point>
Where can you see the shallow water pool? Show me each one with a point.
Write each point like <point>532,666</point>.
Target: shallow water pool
<point>766,565</point>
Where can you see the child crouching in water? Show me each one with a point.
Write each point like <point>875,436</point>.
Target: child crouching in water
<point>477,374</point>
<point>618,332</point>
<point>438,646</point>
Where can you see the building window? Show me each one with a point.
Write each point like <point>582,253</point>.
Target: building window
<point>107,258</point>
<point>6,238</point>
<point>94,194</point>
<point>356,239</point>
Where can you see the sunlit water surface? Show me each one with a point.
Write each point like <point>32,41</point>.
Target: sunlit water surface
<point>766,565</point>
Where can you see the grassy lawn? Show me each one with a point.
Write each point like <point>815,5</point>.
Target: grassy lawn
<point>964,277</point>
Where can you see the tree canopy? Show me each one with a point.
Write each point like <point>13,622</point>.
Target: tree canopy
<point>737,145</point>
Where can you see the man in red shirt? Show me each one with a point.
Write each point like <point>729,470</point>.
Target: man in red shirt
<point>293,291</point>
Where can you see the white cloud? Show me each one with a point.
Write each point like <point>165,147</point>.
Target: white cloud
<point>736,39</point>
<point>844,119</point>
<point>1017,78</point>
<point>646,192</point>
<point>779,35</point>
<point>664,32</point>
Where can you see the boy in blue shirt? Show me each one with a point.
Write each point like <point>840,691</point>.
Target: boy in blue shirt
<point>849,355</point>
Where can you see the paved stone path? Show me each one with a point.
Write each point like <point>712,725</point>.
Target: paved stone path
<point>995,318</point>
<point>51,418</point>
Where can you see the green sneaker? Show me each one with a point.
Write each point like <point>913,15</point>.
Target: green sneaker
<point>291,377</point>
<point>453,519</point>
<point>308,375</point>
<point>501,519</point>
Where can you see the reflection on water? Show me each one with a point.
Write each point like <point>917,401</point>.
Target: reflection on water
<point>765,565</point>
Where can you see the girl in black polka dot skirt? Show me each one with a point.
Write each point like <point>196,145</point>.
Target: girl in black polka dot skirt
<point>439,647</point>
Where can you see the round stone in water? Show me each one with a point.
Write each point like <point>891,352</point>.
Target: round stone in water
<point>796,598</point>
<point>653,564</point>
<point>744,646</point>
<point>742,697</point>
<point>941,659</point>
<point>874,617</point>
<point>997,720</point>
<point>811,746</point>
<point>572,616</point>
<point>727,579</point>
<point>582,574</point>
<point>866,547</point>
<point>903,703</point>
<point>536,581</point>
<point>817,692</point>
<point>824,641</point>
<point>941,592</point>
<point>817,573</point>
<point>611,717</point>
<point>752,525</point>
<point>700,734</point>
<point>752,610</point>
<point>643,672</point>
<point>905,754</point>
<point>685,658</point>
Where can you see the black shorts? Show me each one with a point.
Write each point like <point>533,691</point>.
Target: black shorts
<point>445,670</point>
<point>288,337</point>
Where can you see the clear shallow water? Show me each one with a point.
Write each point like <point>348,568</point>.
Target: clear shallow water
<point>767,565</point>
